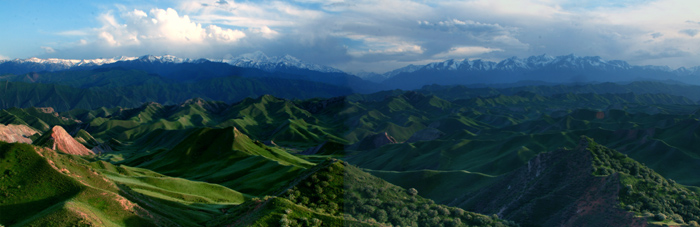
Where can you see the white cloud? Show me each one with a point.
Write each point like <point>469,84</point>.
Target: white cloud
<point>2,57</point>
<point>373,45</point>
<point>163,25</point>
<point>465,52</point>
<point>48,50</point>
<point>265,32</point>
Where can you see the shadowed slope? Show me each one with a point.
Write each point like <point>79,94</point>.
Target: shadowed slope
<point>553,189</point>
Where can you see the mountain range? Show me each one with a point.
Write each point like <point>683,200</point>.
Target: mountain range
<point>561,69</point>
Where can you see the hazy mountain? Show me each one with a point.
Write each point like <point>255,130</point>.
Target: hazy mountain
<point>560,69</point>
<point>256,65</point>
<point>21,66</point>
<point>259,60</point>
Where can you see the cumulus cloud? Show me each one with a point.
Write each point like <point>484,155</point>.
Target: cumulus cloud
<point>656,35</point>
<point>156,31</point>
<point>162,25</point>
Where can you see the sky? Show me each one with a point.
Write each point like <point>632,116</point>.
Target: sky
<point>358,35</point>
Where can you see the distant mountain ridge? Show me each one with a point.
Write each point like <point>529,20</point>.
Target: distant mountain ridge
<point>255,65</point>
<point>551,69</point>
<point>560,69</point>
<point>256,60</point>
<point>259,60</point>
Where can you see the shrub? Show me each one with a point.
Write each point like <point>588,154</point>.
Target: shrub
<point>660,217</point>
<point>412,191</point>
<point>677,218</point>
<point>375,202</point>
<point>316,222</point>
<point>458,212</point>
<point>381,216</point>
<point>443,211</point>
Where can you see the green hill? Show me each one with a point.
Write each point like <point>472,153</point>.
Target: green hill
<point>227,157</point>
<point>40,187</point>
<point>334,194</point>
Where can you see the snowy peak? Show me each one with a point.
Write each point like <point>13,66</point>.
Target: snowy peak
<point>251,60</point>
<point>164,59</point>
<point>465,65</point>
<point>257,56</point>
<point>259,60</point>
<point>567,62</point>
<point>559,69</point>
<point>67,63</point>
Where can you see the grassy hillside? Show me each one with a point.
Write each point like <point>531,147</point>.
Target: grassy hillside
<point>227,157</point>
<point>334,193</point>
<point>40,187</point>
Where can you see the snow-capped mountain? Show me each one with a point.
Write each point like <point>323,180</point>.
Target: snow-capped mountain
<point>256,60</point>
<point>69,62</point>
<point>259,60</point>
<point>560,69</point>
<point>20,66</point>
<point>257,65</point>
<point>164,59</point>
<point>533,63</point>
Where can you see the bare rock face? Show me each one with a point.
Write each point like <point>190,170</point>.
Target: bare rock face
<point>58,139</point>
<point>16,133</point>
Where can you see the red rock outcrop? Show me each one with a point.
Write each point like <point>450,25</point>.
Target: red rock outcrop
<point>16,133</point>
<point>59,139</point>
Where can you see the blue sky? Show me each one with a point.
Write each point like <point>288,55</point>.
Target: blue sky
<point>356,35</point>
